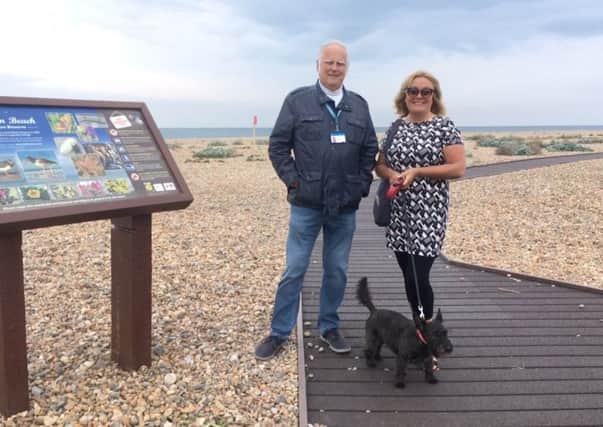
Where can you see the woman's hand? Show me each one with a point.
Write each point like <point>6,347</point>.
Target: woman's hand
<point>407,177</point>
<point>395,178</point>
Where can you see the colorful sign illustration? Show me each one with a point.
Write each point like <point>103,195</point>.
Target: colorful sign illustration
<point>61,155</point>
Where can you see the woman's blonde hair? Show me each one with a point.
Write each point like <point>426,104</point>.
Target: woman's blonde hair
<point>437,107</point>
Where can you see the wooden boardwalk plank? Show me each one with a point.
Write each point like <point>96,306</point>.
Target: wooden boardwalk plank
<point>484,362</point>
<point>510,418</point>
<point>527,352</point>
<point>447,374</point>
<point>473,388</point>
<point>414,403</point>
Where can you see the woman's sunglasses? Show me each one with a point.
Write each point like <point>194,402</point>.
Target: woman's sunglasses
<point>415,91</point>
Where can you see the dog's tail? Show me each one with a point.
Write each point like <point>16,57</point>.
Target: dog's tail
<point>363,294</point>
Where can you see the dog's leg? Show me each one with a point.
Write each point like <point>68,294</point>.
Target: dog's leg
<point>370,358</point>
<point>373,343</point>
<point>401,361</point>
<point>428,368</point>
<point>378,350</point>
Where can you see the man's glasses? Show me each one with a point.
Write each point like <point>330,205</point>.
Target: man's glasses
<point>415,91</point>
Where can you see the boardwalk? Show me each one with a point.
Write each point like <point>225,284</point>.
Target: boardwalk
<point>527,353</point>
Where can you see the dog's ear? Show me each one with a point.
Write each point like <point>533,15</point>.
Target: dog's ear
<point>439,316</point>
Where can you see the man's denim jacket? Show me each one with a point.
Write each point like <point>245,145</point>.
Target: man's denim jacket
<point>319,173</point>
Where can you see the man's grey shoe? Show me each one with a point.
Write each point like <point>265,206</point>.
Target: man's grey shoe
<point>269,347</point>
<point>336,341</point>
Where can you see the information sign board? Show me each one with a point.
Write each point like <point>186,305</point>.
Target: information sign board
<point>67,161</point>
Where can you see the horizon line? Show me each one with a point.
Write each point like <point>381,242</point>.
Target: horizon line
<point>461,126</point>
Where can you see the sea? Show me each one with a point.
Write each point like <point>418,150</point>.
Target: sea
<point>206,133</point>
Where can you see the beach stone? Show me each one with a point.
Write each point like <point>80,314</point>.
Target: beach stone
<point>49,420</point>
<point>170,379</point>
<point>158,350</point>
<point>85,419</point>
<point>59,404</point>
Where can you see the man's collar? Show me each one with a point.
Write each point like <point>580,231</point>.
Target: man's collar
<point>327,91</point>
<point>323,98</point>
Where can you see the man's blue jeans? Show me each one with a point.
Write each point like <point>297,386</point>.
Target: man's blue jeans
<point>304,226</point>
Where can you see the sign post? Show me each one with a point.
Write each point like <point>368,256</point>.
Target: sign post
<point>131,291</point>
<point>66,162</point>
<point>13,354</point>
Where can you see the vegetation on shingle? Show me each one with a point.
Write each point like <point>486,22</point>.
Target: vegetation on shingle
<point>519,147</point>
<point>589,140</point>
<point>490,141</point>
<point>566,146</point>
<point>215,153</point>
<point>255,158</point>
<point>217,144</point>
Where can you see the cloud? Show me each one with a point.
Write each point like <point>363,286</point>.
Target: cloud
<point>216,63</point>
<point>544,80</point>
<point>114,48</point>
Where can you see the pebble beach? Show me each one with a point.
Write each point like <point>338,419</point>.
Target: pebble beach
<point>216,265</point>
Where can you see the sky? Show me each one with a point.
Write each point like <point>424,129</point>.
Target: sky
<point>206,63</point>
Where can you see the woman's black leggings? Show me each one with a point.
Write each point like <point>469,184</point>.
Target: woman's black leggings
<point>423,267</point>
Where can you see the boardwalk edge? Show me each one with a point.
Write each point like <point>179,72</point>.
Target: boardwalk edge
<point>447,259</point>
<point>302,406</point>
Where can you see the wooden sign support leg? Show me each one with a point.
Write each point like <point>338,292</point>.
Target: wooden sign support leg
<point>131,252</point>
<point>14,394</point>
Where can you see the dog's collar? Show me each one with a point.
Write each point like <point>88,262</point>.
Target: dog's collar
<point>421,337</point>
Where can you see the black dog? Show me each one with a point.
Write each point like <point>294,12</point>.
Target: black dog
<point>413,342</point>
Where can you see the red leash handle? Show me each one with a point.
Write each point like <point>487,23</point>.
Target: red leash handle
<point>421,337</point>
<point>392,191</point>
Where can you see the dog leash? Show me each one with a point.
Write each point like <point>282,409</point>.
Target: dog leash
<point>392,191</point>
<point>419,303</point>
<point>419,328</point>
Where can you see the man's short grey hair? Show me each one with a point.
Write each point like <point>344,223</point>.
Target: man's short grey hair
<point>330,43</point>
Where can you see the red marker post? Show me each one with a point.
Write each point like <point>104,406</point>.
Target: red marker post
<point>255,122</point>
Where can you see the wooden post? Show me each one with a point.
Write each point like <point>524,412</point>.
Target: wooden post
<point>14,394</point>
<point>131,266</point>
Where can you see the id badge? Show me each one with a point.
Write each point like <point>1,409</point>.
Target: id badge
<point>338,137</point>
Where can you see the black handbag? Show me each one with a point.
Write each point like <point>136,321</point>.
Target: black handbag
<point>382,205</point>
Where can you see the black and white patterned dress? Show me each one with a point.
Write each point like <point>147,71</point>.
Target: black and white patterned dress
<point>419,214</point>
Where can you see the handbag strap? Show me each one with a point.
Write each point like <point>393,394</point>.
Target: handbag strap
<point>389,139</point>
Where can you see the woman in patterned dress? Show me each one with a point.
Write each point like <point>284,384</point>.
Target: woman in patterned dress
<point>425,152</point>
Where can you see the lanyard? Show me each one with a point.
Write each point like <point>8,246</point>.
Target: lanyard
<point>334,116</point>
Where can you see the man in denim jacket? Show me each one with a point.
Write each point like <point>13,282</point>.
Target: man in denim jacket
<point>323,148</point>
